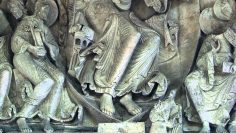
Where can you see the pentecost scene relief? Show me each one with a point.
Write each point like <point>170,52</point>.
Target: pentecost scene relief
<point>118,66</point>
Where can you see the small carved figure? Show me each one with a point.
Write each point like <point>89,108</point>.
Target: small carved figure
<point>165,115</point>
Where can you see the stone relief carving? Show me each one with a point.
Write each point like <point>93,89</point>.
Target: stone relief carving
<point>117,66</point>
<point>166,114</point>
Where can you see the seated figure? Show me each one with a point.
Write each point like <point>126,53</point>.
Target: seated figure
<point>35,53</point>
<point>119,61</point>
<point>212,85</point>
<point>7,109</point>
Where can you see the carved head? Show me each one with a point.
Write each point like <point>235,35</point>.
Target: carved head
<point>30,23</point>
<point>16,7</point>
<point>42,9</point>
<point>46,10</point>
<point>210,24</point>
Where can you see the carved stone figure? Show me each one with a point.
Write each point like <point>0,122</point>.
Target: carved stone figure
<point>7,109</point>
<point>166,114</point>
<point>114,59</point>
<point>115,64</point>
<point>35,52</point>
<point>212,85</point>
<point>47,11</point>
<point>207,85</point>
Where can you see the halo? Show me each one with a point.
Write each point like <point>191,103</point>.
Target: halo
<point>53,11</point>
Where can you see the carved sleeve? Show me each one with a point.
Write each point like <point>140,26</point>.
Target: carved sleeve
<point>19,45</point>
<point>210,63</point>
<point>51,43</point>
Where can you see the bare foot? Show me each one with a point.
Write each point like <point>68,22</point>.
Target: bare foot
<point>130,105</point>
<point>47,127</point>
<point>205,128</point>
<point>1,131</point>
<point>23,126</point>
<point>106,104</point>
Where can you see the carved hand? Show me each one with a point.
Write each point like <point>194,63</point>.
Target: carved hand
<point>37,51</point>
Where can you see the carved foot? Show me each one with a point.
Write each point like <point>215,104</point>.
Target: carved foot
<point>1,131</point>
<point>232,127</point>
<point>221,129</point>
<point>47,126</point>
<point>206,128</point>
<point>130,105</point>
<point>23,126</point>
<point>106,105</point>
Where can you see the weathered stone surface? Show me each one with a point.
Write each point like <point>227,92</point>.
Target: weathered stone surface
<point>121,127</point>
<point>117,66</point>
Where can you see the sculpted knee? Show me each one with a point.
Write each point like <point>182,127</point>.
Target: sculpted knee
<point>6,73</point>
<point>49,82</point>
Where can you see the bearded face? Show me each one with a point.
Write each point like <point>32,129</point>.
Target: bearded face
<point>30,24</point>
